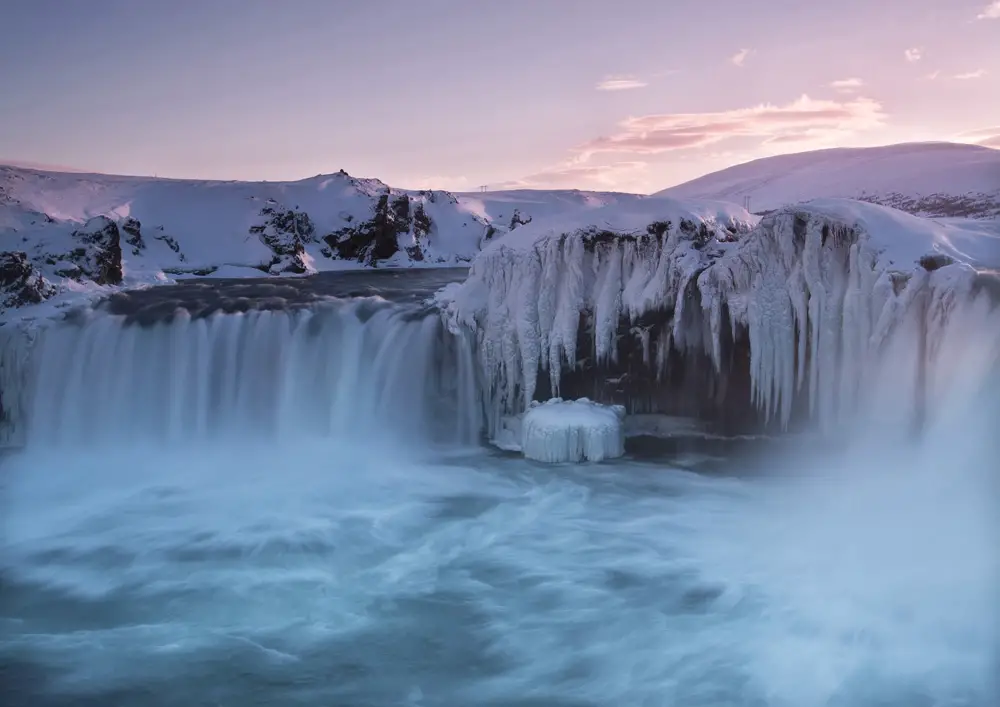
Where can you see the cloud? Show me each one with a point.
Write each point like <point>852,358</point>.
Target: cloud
<point>913,54</point>
<point>805,118</point>
<point>932,75</point>
<point>987,137</point>
<point>847,85</point>
<point>977,74</point>
<point>990,12</point>
<point>575,173</point>
<point>740,57</point>
<point>621,83</point>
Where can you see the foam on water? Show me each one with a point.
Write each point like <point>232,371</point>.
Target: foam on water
<point>317,553</point>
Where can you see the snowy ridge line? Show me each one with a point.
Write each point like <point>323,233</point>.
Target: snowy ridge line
<point>72,232</point>
<point>823,294</point>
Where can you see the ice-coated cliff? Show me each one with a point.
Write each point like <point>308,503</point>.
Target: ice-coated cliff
<point>805,306</point>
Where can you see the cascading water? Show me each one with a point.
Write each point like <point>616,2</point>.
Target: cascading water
<point>355,369</point>
<point>245,508</point>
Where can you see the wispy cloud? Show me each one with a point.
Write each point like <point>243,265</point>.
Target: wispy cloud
<point>847,85</point>
<point>977,74</point>
<point>932,75</point>
<point>621,83</point>
<point>805,119</point>
<point>574,173</point>
<point>913,54</point>
<point>740,57</point>
<point>990,12</point>
<point>987,137</point>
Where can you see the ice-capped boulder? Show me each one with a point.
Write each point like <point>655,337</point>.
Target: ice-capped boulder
<point>572,431</point>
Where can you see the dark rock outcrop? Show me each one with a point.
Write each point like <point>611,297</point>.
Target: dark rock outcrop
<point>518,220</point>
<point>378,238</point>
<point>285,231</point>
<point>97,255</point>
<point>20,282</point>
<point>132,229</point>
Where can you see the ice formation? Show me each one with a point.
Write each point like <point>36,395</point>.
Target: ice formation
<point>822,292</point>
<point>572,431</point>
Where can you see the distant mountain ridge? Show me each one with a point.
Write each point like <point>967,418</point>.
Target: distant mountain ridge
<point>937,179</point>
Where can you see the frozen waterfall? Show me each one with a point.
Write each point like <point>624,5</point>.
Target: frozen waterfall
<point>822,310</point>
<point>360,369</point>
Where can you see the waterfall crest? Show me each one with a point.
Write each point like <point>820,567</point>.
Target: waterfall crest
<point>360,369</point>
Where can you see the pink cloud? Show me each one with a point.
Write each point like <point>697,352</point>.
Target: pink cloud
<point>740,57</point>
<point>990,12</point>
<point>988,137</point>
<point>621,83</point>
<point>654,134</point>
<point>847,85</point>
<point>573,174</point>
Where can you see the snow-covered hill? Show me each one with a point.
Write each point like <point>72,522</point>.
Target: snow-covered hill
<point>102,230</point>
<point>925,179</point>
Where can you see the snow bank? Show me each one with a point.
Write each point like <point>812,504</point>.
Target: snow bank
<point>572,431</point>
<point>818,292</point>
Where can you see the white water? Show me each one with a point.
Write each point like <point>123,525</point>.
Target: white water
<point>303,564</point>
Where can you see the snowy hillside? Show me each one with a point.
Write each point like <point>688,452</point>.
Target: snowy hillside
<point>145,230</point>
<point>507,210</point>
<point>652,306</point>
<point>925,179</point>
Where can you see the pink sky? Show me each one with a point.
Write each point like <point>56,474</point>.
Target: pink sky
<point>633,95</point>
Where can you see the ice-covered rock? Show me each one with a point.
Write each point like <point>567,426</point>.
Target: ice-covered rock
<point>572,431</point>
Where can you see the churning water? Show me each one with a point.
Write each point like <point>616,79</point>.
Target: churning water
<point>284,508</point>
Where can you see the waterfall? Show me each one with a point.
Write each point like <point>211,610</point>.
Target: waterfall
<point>363,370</point>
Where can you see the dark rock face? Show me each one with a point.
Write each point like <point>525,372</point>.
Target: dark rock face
<point>132,229</point>
<point>20,282</point>
<point>378,238</point>
<point>99,254</point>
<point>651,374</point>
<point>518,220</point>
<point>285,232</point>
